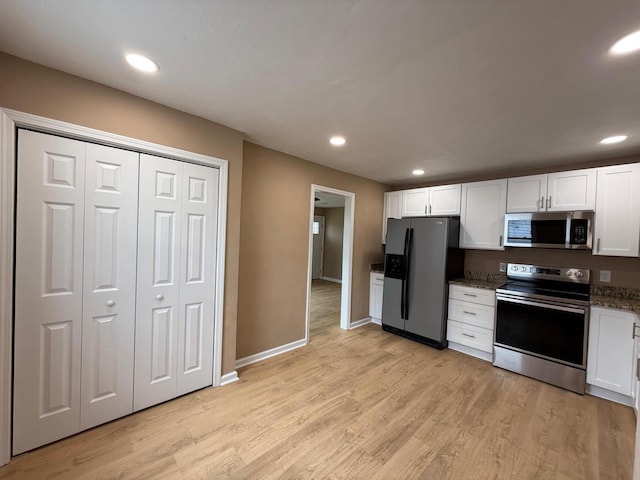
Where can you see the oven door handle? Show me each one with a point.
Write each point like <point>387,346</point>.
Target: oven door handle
<point>551,306</point>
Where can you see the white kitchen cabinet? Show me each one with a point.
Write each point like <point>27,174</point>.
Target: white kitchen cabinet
<point>617,218</point>
<point>431,201</point>
<point>445,200</point>
<point>554,192</point>
<point>376,287</point>
<point>471,320</point>
<point>571,191</point>
<point>482,214</point>
<point>527,194</point>
<point>392,209</point>
<point>415,202</point>
<point>610,362</point>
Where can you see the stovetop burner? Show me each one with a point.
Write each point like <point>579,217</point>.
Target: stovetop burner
<point>565,285</point>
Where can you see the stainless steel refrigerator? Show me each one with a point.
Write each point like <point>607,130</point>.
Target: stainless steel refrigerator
<point>421,256</point>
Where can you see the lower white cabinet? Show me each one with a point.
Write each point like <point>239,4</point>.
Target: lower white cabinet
<point>471,320</point>
<point>610,362</point>
<point>376,287</point>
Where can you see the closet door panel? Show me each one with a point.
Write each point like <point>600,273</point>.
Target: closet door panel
<point>111,215</point>
<point>48,299</point>
<point>197,288</point>
<point>158,285</point>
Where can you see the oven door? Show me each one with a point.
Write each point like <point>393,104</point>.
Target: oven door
<point>551,331</point>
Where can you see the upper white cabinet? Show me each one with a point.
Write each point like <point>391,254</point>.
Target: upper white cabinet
<point>431,201</point>
<point>610,360</point>
<point>482,214</point>
<point>527,194</point>
<point>617,219</point>
<point>553,192</point>
<point>415,202</point>
<point>392,209</point>
<point>445,200</point>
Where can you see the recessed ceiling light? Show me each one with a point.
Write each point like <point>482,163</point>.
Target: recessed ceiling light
<point>614,139</point>
<point>337,141</point>
<point>142,63</point>
<point>418,171</point>
<point>627,44</point>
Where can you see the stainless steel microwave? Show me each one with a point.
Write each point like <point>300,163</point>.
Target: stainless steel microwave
<point>548,230</point>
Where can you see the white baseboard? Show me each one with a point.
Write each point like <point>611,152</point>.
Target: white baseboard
<point>329,279</point>
<point>609,395</point>
<point>377,321</point>
<point>228,378</point>
<point>359,323</point>
<point>257,357</point>
<point>471,351</point>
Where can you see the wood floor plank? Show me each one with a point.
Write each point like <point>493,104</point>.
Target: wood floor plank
<point>359,404</point>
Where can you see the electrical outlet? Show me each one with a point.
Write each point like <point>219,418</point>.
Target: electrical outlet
<point>605,276</point>
<point>503,267</point>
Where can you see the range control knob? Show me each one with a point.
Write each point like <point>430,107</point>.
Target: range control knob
<point>514,268</point>
<point>569,273</point>
<point>579,273</point>
<point>523,269</point>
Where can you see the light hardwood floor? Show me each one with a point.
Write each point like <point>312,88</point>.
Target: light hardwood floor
<point>362,404</point>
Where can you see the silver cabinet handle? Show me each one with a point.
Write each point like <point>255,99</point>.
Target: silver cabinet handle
<point>549,204</point>
<point>542,203</point>
<point>469,335</point>
<point>469,313</point>
<point>110,303</point>
<point>429,209</point>
<point>469,295</point>
<point>500,240</point>
<point>598,245</point>
<point>426,209</point>
<point>633,333</point>
<point>159,297</point>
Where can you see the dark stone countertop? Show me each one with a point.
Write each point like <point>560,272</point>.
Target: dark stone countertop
<point>377,267</point>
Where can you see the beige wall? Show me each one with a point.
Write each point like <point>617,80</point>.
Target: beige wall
<point>625,272</point>
<point>39,90</point>
<point>333,237</point>
<point>274,245</point>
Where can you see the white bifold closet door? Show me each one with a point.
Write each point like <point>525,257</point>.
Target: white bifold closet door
<point>176,265</point>
<point>75,287</point>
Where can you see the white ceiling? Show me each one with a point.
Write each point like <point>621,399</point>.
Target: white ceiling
<point>328,200</point>
<point>453,86</point>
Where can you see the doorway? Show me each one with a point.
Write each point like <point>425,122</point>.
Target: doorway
<point>317,263</point>
<point>333,286</point>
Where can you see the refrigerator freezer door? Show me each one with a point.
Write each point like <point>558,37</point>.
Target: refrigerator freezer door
<point>393,287</point>
<point>427,284</point>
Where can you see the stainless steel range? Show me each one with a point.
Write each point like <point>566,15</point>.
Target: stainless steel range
<point>542,318</point>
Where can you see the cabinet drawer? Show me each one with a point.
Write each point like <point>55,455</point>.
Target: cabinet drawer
<point>475,295</point>
<point>474,337</point>
<point>472,313</point>
<point>377,278</point>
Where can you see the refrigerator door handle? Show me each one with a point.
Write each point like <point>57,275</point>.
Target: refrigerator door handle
<point>403,307</point>
<point>407,285</point>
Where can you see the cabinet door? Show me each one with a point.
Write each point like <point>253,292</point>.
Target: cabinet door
<point>110,239</point>
<point>482,214</point>
<point>158,296</point>
<point>197,264</point>
<point>617,219</point>
<point>415,202</point>
<point>48,289</point>
<point>392,209</point>
<point>610,360</point>
<point>445,200</point>
<point>376,289</point>
<point>527,194</point>
<point>573,190</point>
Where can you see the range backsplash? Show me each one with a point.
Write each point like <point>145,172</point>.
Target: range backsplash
<point>625,271</point>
